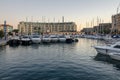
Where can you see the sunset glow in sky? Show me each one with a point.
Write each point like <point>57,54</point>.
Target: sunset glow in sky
<point>79,11</point>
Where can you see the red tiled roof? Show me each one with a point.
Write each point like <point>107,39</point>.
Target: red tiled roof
<point>6,25</point>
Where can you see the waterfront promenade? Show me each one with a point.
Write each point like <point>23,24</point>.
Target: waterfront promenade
<point>3,42</point>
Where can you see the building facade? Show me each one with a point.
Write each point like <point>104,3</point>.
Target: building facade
<point>87,30</point>
<point>116,23</point>
<point>9,28</point>
<point>103,28</point>
<point>37,27</point>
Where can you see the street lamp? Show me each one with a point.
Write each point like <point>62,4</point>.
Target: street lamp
<point>5,28</point>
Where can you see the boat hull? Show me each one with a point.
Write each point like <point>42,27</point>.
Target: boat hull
<point>115,56</point>
<point>54,40</point>
<point>101,51</point>
<point>27,42</point>
<point>106,50</point>
<point>36,41</point>
<point>46,40</point>
<point>69,40</point>
<point>14,42</point>
<point>62,40</point>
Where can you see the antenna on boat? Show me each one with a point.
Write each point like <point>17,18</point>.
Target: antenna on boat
<point>54,20</point>
<point>97,20</point>
<point>63,19</point>
<point>31,18</point>
<point>93,21</point>
<point>42,19</point>
<point>48,20</point>
<point>26,19</point>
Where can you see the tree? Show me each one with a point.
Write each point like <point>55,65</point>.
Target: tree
<point>106,31</point>
<point>15,30</point>
<point>10,33</point>
<point>1,34</point>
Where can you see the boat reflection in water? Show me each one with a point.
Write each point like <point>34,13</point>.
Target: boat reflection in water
<point>35,46</point>
<point>107,59</point>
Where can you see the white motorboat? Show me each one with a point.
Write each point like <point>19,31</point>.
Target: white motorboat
<point>115,56</point>
<point>54,38</point>
<point>25,40</point>
<point>108,49</point>
<point>61,38</point>
<point>46,39</point>
<point>35,39</point>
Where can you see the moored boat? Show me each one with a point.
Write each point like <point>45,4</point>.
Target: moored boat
<point>115,56</point>
<point>108,49</point>
<point>46,39</point>
<point>54,38</point>
<point>69,39</point>
<point>25,40</point>
<point>75,40</point>
<point>61,38</point>
<point>35,39</point>
<point>14,41</point>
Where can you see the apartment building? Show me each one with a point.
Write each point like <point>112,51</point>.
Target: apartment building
<point>116,23</point>
<point>38,27</point>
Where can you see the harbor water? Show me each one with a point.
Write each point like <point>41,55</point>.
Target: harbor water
<point>57,61</point>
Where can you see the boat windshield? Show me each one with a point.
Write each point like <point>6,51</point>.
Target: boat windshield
<point>54,37</point>
<point>25,37</point>
<point>61,36</point>
<point>45,36</point>
<point>36,37</point>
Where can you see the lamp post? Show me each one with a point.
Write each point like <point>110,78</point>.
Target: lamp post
<point>5,28</point>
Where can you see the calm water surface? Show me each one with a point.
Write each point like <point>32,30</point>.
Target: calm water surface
<point>76,61</point>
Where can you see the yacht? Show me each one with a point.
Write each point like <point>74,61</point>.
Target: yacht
<point>115,55</point>
<point>54,38</point>
<point>25,40</point>
<point>108,49</point>
<point>61,38</point>
<point>46,39</point>
<point>35,39</point>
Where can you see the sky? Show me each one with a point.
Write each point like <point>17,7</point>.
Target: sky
<point>82,12</point>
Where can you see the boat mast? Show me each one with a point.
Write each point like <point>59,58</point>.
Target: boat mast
<point>118,8</point>
<point>26,25</point>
